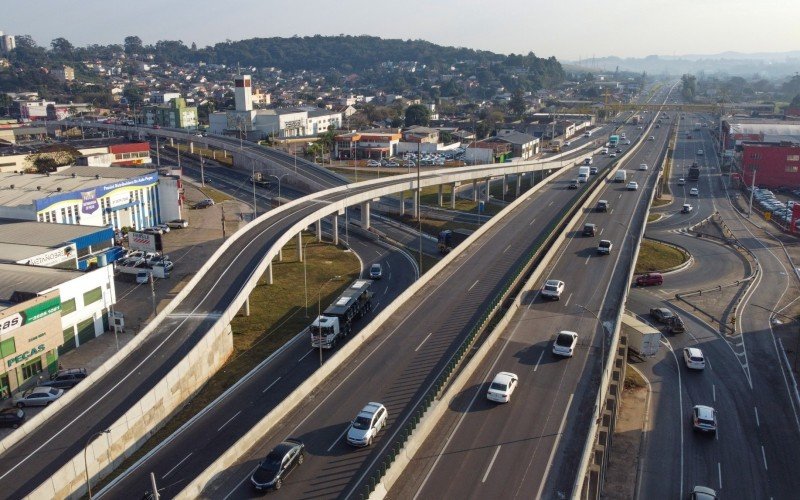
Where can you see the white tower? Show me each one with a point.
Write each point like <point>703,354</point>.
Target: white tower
<point>243,93</point>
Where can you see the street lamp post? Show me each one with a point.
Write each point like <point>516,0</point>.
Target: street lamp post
<point>279,185</point>
<point>603,339</point>
<point>319,314</point>
<point>86,460</point>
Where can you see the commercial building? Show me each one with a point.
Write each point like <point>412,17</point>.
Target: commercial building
<point>64,73</point>
<point>20,159</point>
<point>375,144</point>
<point>174,114</point>
<point>523,146</point>
<point>775,165</point>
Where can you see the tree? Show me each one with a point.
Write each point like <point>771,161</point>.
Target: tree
<point>482,130</point>
<point>792,86</point>
<point>133,44</point>
<point>417,114</point>
<point>62,47</point>
<point>689,89</point>
<point>517,103</point>
<point>795,102</point>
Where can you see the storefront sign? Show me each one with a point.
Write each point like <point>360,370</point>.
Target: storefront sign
<point>51,258</point>
<point>19,358</point>
<point>142,241</point>
<point>89,204</point>
<point>89,197</point>
<point>30,315</point>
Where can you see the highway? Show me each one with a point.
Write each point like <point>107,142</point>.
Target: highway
<point>757,446</point>
<point>532,446</point>
<point>401,361</point>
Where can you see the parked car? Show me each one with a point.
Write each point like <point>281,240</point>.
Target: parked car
<point>178,223</point>
<point>208,202</point>
<point>376,271</point>
<point>152,230</point>
<point>66,379</point>
<point>373,163</point>
<point>700,152</point>
<point>168,265</point>
<point>704,419</point>
<point>11,417</point>
<point>502,387</point>
<point>369,421</point>
<point>694,359</point>
<point>38,396</point>
<point>392,164</point>
<point>565,343</point>
<point>142,277</point>
<point>650,279</point>
<point>553,289</point>
<point>277,465</point>
<point>164,227</point>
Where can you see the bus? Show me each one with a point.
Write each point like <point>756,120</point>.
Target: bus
<point>613,141</point>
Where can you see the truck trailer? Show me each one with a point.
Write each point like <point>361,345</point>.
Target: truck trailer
<point>336,322</point>
<point>449,239</point>
<point>643,339</point>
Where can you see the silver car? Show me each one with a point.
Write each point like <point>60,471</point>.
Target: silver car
<point>38,396</point>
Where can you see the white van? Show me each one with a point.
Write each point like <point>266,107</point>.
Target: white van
<point>583,178</point>
<point>584,171</point>
<point>621,176</point>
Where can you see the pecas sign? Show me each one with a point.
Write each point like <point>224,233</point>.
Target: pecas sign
<point>29,315</point>
<point>143,241</point>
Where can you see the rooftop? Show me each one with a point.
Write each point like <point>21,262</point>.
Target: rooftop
<point>40,234</point>
<point>16,278</point>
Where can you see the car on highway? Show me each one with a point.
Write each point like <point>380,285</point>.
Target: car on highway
<point>178,223</point>
<point>649,279</point>
<point>694,359</point>
<point>592,170</point>
<point>37,396</point>
<point>702,493</point>
<point>502,387</point>
<point>681,181</point>
<point>565,343</point>
<point>553,289</point>
<point>686,208</point>
<point>369,421</point>
<point>700,152</point>
<point>612,155</point>
<point>628,142</point>
<point>651,138</point>
<point>604,247</point>
<point>662,314</point>
<point>11,417</point>
<point>602,206</point>
<point>643,166</point>
<point>704,419</point>
<point>633,186</point>
<point>589,229</point>
<point>66,379</point>
<point>376,271</point>
<point>694,192</point>
<point>573,184</point>
<point>277,465</point>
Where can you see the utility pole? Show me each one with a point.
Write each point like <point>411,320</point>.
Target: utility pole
<point>419,206</point>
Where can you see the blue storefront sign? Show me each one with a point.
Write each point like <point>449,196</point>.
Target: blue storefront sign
<point>89,197</point>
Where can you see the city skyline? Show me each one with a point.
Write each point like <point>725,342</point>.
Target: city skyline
<point>585,30</point>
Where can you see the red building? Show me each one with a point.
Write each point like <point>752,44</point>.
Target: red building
<point>132,153</point>
<point>776,165</point>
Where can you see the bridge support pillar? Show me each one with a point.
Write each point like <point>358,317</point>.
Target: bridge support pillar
<point>487,195</point>
<point>519,184</point>
<point>191,147</point>
<point>280,254</point>
<point>335,223</point>
<point>366,223</point>
<point>172,142</point>
<point>453,195</point>
<point>415,199</point>
<point>402,203</point>
<point>247,301</point>
<point>269,282</point>
<point>505,185</point>
<point>300,255</point>
<point>440,198</point>
<point>319,230</point>
<point>475,191</point>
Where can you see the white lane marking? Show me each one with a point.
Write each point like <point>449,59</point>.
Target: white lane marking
<point>566,304</point>
<point>532,221</point>
<point>538,361</point>
<point>229,420</point>
<point>338,439</point>
<point>270,385</point>
<point>714,392</point>
<point>719,470</point>
<point>620,196</point>
<point>758,423</point>
<point>491,463</point>
<point>507,249</point>
<point>586,262</point>
<point>306,355</point>
<point>555,446</point>
<point>473,286</point>
<point>176,466</point>
<point>680,400</point>
<point>423,341</point>
<point>601,232</point>
<point>551,203</point>
<point>764,456</point>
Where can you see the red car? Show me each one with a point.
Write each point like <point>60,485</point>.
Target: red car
<point>649,279</point>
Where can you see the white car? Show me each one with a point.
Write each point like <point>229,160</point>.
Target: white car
<point>681,181</point>
<point>502,387</point>
<point>373,163</point>
<point>369,421</point>
<point>604,247</point>
<point>643,166</point>
<point>694,192</point>
<point>686,208</point>
<point>633,186</point>
<point>553,289</point>
<point>38,396</point>
<point>694,359</point>
<point>565,343</point>
<point>700,152</point>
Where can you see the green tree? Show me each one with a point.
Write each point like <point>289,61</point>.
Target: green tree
<point>689,87</point>
<point>795,102</point>
<point>62,47</point>
<point>792,86</point>
<point>417,114</point>
<point>133,45</point>
<point>517,103</point>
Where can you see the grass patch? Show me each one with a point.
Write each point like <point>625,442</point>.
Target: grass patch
<point>215,194</point>
<point>277,313</point>
<point>660,203</point>
<point>653,217</point>
<point>211,154</point>
<point>655,256</point>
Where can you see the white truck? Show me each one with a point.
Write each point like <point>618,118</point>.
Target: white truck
<point>642,338</point>
<point>584,170</point>
<point>621,176</point>
<point>337,320</point>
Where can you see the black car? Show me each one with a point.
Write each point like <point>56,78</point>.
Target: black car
<point>278,464</point>
<point>11,417</point>
<point>66,379</point>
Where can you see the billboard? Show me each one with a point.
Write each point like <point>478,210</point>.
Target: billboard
<point>89,198</point>
<point>144,241</point>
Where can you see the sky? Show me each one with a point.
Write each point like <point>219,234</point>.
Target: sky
<point>568,30</point>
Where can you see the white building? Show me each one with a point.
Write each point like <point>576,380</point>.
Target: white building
<point>7,43</point>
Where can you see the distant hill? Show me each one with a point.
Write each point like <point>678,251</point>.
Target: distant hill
<point>765,64</point>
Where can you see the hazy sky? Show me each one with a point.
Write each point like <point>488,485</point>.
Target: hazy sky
<point>567,30</point>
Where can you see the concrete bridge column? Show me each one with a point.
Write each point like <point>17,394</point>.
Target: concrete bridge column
<point>453,195</point>
<point>335,223</point>
<point>191,147</point>
<point>319,230</point>
<point>300,255</point>
<point>247,304</point>
<point>280,254</point>
<point>415,199</point>
<point>171,141</point>
<point>439,198</point>
<point>269,282</point>
<point>365,215</point>
<point>402,203</point>
<point>519,184</point>
<point>505,184</point>
<point>486,194</point>
<point>475,190</point>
